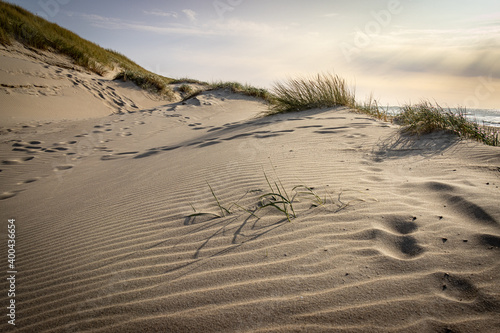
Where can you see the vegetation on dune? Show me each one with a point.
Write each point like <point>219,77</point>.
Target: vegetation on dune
<point>328,90</point>
<point>147,80</point>
<point>18,24</point>
<point>323,90</point>
<point>427,117</point>
<point>244,89</point>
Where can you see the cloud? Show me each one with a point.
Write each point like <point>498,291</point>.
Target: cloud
<point>190,14</point>
<point>158,12</point>
<point>232,27</point>
<point>460,52</point>
<point>330,15</point>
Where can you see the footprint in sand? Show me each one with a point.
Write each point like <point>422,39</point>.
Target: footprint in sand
<point>394,237</point>
<point>311,126</point>
<point>401,224</point>
<point>7,195</point>
<point>490,241</point>
<point>210,143</point>
<point>147,154</point>
<point>454,287</point>
<point>63,167</point>
<point>30,180</point>
<point>462,204</point>
<point>17,161</point>
<point>116,156</point>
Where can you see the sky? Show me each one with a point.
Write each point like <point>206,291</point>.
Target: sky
<point>401,51</point>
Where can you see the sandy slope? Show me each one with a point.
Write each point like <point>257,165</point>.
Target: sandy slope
<point>37,86</point>
<point>406,240</point>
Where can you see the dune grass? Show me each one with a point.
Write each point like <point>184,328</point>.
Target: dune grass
<point>244,89</point>
<point>426,117</point>
<point>147,80</point>
<point>329,90</point>
<point>303,93</point>
<point>372,108</point>
<point>33,31</point>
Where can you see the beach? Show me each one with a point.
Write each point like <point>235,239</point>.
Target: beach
<point>134,214</point>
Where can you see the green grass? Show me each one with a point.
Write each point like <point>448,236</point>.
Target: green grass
<point>277,197</point>
<point>33,31</point>
<point>427,117</point>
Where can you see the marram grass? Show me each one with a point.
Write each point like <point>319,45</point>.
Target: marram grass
<point>244,89</point>
<point>329,90</point>
<point>427,117</point>
<point>303,93</point>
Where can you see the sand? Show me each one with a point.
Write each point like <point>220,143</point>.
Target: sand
<point>404,235</point>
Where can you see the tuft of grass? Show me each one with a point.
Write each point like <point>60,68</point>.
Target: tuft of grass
<point>148,81</point>
<point>223,210</point>
<point>426,117</point>
<point>188,80</point>
<point>372,108</point>
<point>279,199</point>
<point>245,89</point>
<point>186,89</point>
<point>322,90</point>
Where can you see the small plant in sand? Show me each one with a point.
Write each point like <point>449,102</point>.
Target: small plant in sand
<point>372,108</point>
<point>223,210</point>
<point>278,198</point>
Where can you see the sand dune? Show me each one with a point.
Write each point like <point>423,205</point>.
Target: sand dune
<point>405,236</point>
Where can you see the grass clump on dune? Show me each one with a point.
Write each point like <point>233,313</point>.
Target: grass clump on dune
<point>244,89</point>
<point>427,117</point>
<point>322,90</point>
<point>372,108</point>
<point>148,81</point>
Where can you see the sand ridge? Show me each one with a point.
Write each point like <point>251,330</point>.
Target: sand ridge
<point>405,238</point>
